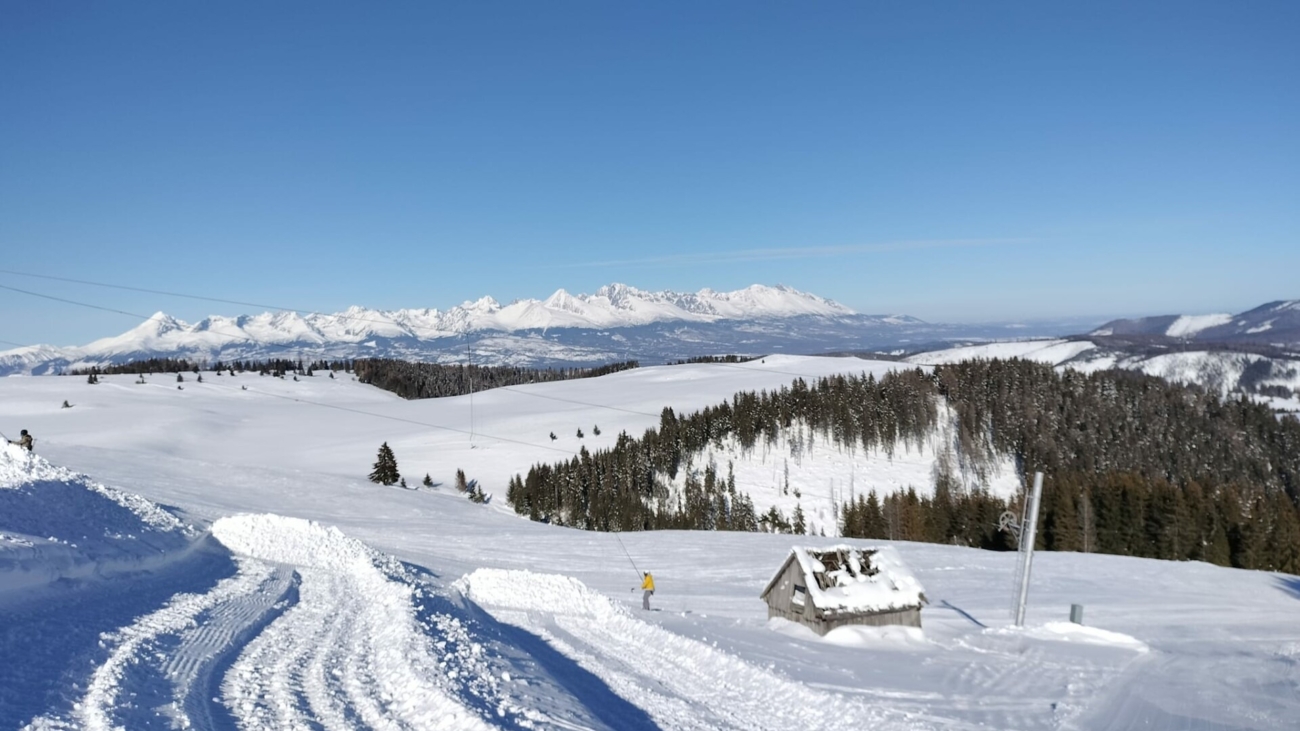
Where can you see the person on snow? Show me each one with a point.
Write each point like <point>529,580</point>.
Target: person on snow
<point>26,442</point>
<point>648,588</point>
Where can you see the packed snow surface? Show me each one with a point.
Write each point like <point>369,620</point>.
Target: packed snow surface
<point>214,558</point>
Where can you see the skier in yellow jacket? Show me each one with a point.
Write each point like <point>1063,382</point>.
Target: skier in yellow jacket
<point>648,587</point>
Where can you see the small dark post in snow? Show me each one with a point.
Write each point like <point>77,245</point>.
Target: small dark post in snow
<point>1076,613</point>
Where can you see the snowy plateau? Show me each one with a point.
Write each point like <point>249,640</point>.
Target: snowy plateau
<point>617,323</point>
<point>213,557</point>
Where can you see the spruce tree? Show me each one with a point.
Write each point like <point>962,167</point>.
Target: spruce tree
<point>800,527</point>
<point>385,472</point>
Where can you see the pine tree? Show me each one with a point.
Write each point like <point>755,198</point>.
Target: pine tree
<point>428,481</point>
<point>385,472</point>
<point>799,526</point>
<point>462,485</point>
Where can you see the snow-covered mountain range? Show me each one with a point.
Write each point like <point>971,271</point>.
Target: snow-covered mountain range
<point>615,323</point>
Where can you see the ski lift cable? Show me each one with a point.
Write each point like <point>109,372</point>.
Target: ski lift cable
<point>625,553</point>
<point>362,412</point>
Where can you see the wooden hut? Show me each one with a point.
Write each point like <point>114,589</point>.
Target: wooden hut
<point>825,588</point>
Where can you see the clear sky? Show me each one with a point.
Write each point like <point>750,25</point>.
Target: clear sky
<point>959,161</point>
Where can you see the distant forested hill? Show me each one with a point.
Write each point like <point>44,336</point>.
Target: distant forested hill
<point>1135,465</point>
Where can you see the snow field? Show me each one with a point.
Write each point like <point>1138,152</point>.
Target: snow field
<point>681,682</point>
<point>1222,642</point>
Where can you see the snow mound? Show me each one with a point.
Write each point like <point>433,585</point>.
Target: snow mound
<point>57,524</point>
<point>533,592</point>
<point>294,541</point>
<point>1078,633</point>
<point>894,637</point>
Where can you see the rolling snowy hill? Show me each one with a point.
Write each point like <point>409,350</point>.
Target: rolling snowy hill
<point>617,323</point>
<point>1275,323</point>
<point>1273,378</point>
<point>278,588</point>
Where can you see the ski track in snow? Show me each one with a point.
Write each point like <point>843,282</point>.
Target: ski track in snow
<point>350,654</point>
<point>681,682</point>
<point>313,631</point>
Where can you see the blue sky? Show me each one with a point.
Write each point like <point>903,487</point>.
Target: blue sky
<point>952,161</point>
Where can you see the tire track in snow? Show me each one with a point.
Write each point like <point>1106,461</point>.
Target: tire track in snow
<point>351,653</point>
<point>196,667</point>
<point>135,667</point>
<point>682,683</point>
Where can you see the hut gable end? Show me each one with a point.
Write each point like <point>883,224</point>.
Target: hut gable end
<point>828,587</point>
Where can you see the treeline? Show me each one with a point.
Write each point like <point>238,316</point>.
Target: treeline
<point>276,366</point>
<point>716,359</point>
<point>1118,513</point>
<point>1127,451</point>
<point>146,365</point>
<point>433,380</point>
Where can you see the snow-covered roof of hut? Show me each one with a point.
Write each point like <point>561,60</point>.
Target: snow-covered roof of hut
<point>855,579</point>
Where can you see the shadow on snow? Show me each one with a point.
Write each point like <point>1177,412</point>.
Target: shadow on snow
<point>1289,585</point>
<point>50,637</point>
<point>551,676</point>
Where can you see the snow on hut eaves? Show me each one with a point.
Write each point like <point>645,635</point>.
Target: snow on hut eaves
<point>849,579</point>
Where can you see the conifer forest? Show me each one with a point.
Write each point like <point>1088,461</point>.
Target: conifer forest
<point>1135,465</point>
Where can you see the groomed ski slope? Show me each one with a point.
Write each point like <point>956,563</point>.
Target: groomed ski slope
<point>278,590</point>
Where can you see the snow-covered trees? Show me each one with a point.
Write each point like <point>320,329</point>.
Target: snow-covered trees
<point>385,472</point>
<point>1135,465</point>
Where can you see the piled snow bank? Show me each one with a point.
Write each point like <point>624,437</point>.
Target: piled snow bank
<point>57,524</point>
<point>895,637</point>
<point>294,541</point>
<point>531,592</point>
<point>1071,632</point>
